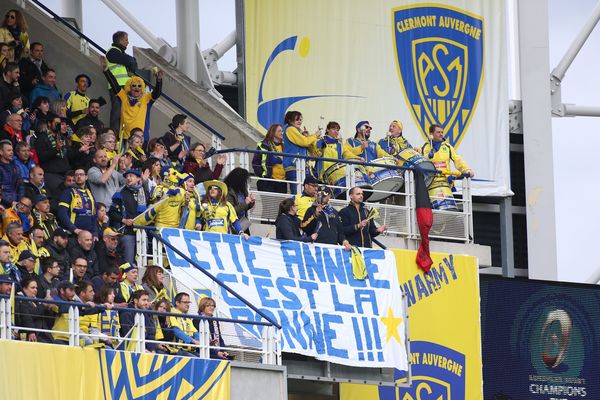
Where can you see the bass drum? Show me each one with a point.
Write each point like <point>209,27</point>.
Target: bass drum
<point>336,176</point>
<point>384,179</point>
<point>410,157</point>
<point>441,196</point>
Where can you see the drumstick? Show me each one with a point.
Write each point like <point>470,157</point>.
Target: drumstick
<point>372,214</point>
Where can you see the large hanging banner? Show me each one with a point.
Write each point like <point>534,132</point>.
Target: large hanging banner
<point>385,60</point>
<point>45,371</point>
<point>445,334</point>
<point>309,289</point>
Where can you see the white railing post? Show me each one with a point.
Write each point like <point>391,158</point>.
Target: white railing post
<point>411,203</point>
<point>140,329</point>
<point>300,173</point>
<point>84,46</point>
<point>204,336</point>
<point>468,209</point>
<point>4,318</point>
<point>350,177</point>
<point>278,345</point>
<point>264,337</point>
<point>73,326</point>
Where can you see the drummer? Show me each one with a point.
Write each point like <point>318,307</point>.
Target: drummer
<point>364,147</point>
<point>331,146</point>
<point>440,152</point>
<point>394,142</point>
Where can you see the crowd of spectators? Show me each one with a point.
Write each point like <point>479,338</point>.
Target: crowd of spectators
<point>73,188</point>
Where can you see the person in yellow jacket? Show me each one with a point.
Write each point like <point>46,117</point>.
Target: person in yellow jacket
<point>308,196</point>
<point>128,285</point>
<point>440,153</point>
<point>218,215</point>
<point>16,240</point>
<point>331,146</point>
<point>394,143</point>
<point>135,103</point>
<point>362,144</point>
<point>169,200</point>
<point>296,140</point>
<point>15,32</point>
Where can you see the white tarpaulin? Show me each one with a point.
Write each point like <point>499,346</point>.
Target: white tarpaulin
<point>309,289</point>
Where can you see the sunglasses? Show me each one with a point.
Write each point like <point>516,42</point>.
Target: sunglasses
<point>11,16</point>
<point>136,86</point>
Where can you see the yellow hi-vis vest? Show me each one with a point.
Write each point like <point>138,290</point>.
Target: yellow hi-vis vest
<point>118,70</point>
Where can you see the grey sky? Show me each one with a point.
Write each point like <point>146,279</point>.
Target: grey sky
<point>217,19</point>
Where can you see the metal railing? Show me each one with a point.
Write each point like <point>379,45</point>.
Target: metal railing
<point>86,41</point>
<point>150,252</point>
<point>135,340</point>
<point>397,211</point>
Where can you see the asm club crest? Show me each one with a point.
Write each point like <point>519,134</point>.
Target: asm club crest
<point>439,54</point>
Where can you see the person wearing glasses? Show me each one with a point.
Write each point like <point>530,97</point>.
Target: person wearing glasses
<point>206,307</point>
<point>394,142</point>
<point>21,213</point>
<point>362,144</point>
<point>15,32</point>
<point>135,102</point>
<point>196,165</point>
<point>218,215</point>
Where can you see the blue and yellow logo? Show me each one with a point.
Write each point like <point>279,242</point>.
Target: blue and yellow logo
<point>438,373</point>
<point>439,55</point>
<point>145,376</point>
<point>272,111</point>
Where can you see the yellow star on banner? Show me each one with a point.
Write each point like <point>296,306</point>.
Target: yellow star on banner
<point>392,323</point>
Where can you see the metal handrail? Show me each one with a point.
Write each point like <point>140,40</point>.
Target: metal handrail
<point>152,232</point>
<point>81,35</point>
<point>411,167</point>
<point>81,305</point>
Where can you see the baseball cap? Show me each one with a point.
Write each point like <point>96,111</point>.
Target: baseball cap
<point>61,232</point>
<point>310,180</point>
<point>361,123</point>
<point>26,255</point>
<point>110,232</point>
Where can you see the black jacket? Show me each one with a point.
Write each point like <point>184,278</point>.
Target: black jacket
<point>51,159</point>
<point>127,317</point>
<point>350,218</point>
<point>118,56</point>
<point>93,268</point>
<point>106,259</point>
<point>6,92</point>
<point>89,120</point>
<point>125,206</point>
<point>288,228</point>
<point>29,71</point>
<point>330,231</point>
<point>61,256</point>
<point>77,159</point>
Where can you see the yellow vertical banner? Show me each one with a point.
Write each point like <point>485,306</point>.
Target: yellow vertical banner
<point>382,60</point>
<point>445,332</point>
